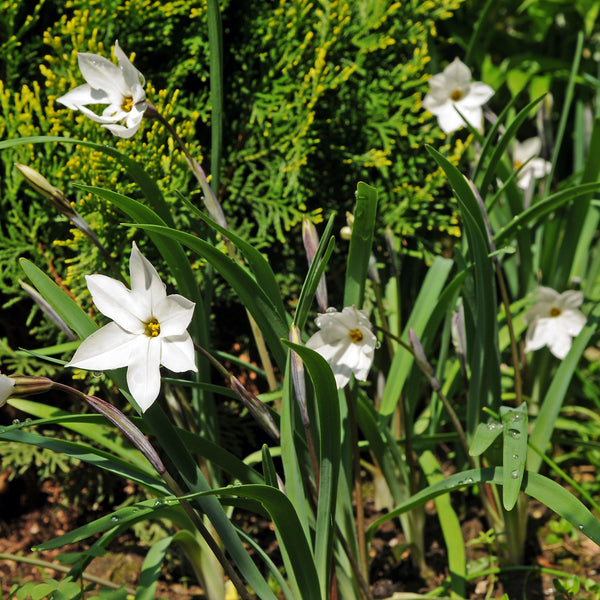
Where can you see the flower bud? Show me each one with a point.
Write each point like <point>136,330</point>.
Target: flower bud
<point>21,385</point>
<point>422,361</point>
<point>42,186</point>
<point>310,238</point>
<point>298,376</point>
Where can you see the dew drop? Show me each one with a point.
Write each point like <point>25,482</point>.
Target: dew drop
<point>515,456</point>
<point>468,480</point>
<point>493,425</point>
<point>514,434</point>
<point>514,474</point>
<point>28,420</point>
<point>114,518</point>
<point>331,309</point>
<point>135,510</point>
<point>16,421</point>
<point>580,527</point>
<point>158,503</point>
<point>377,345</point>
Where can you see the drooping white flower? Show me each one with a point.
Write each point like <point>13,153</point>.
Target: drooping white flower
<point>536,167</point>
<point>554,321</point>
<point>346,342</point>
<point>149,329</point>
<point>453,89</point>
<point>7,385</point>
<point>121,87</point>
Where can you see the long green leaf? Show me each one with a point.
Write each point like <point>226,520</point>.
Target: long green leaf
<point>71,313</point>
<point>329,457</point>
<point>514,453</point>
<point>122,518</point>
<point>258,263</point>
<point>501,145</point>
<point>424,308</point>
<point>540,209</point>
<point>482,339</point>
<point>550,493</point>
<point>361,244</point>
<point>455,547</point>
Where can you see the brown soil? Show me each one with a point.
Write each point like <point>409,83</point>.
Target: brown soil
<point>29,516</point>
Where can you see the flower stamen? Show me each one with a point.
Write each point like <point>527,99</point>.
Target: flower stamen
<point>456,95</point>
<point>152,328</point>
<point>127,103</point>
<point>355,335</point>
<point>555,311</point>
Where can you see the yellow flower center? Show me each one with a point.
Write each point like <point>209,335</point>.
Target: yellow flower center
<point>456,95</point>
<point>355,335</point>
<point>152,328</point>
<point>554,311</point>
<point>518,164</point>
<point>127,104</point>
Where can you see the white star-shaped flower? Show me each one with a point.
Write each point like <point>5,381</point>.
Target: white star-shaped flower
<point>346,342</point>
<point>554,321</point>
<point>121,87</point>
<point>149,329</point>
<point>536,168</point>
<point>453,89</point>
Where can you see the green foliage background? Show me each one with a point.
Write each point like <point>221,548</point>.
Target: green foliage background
<point>318,96</point>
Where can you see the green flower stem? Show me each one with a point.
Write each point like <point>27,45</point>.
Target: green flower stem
<point>438,389</point>
<point>360,517</point>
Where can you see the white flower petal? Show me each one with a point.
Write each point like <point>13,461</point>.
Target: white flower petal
<point>99,72</point>
<point>177,353</point>
<point>118,303</point>
<point>457,73</point>
<point>572,321</point>
<point>571,299</point>
<point>560,344</point>
<point>97,118</point>
<point>474,116</point>
<point>479,94</point>
<point>121,131</point>
<point>530,148</point>
<point>174,314</point>
<point>81,95</point>
<point>144,278</point>
<point>108,348</point>
<point>132,76</point>
<point>143,372</point>
<point>448,119</point>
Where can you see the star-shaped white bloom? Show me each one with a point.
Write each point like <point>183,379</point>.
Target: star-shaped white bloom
<point>536,168</point>
<point>553,321</point>
<point>453,89</point>
<point>122,88</point>
<point>149,329</point>
<point>7,386</point>
<point>346,342</point>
